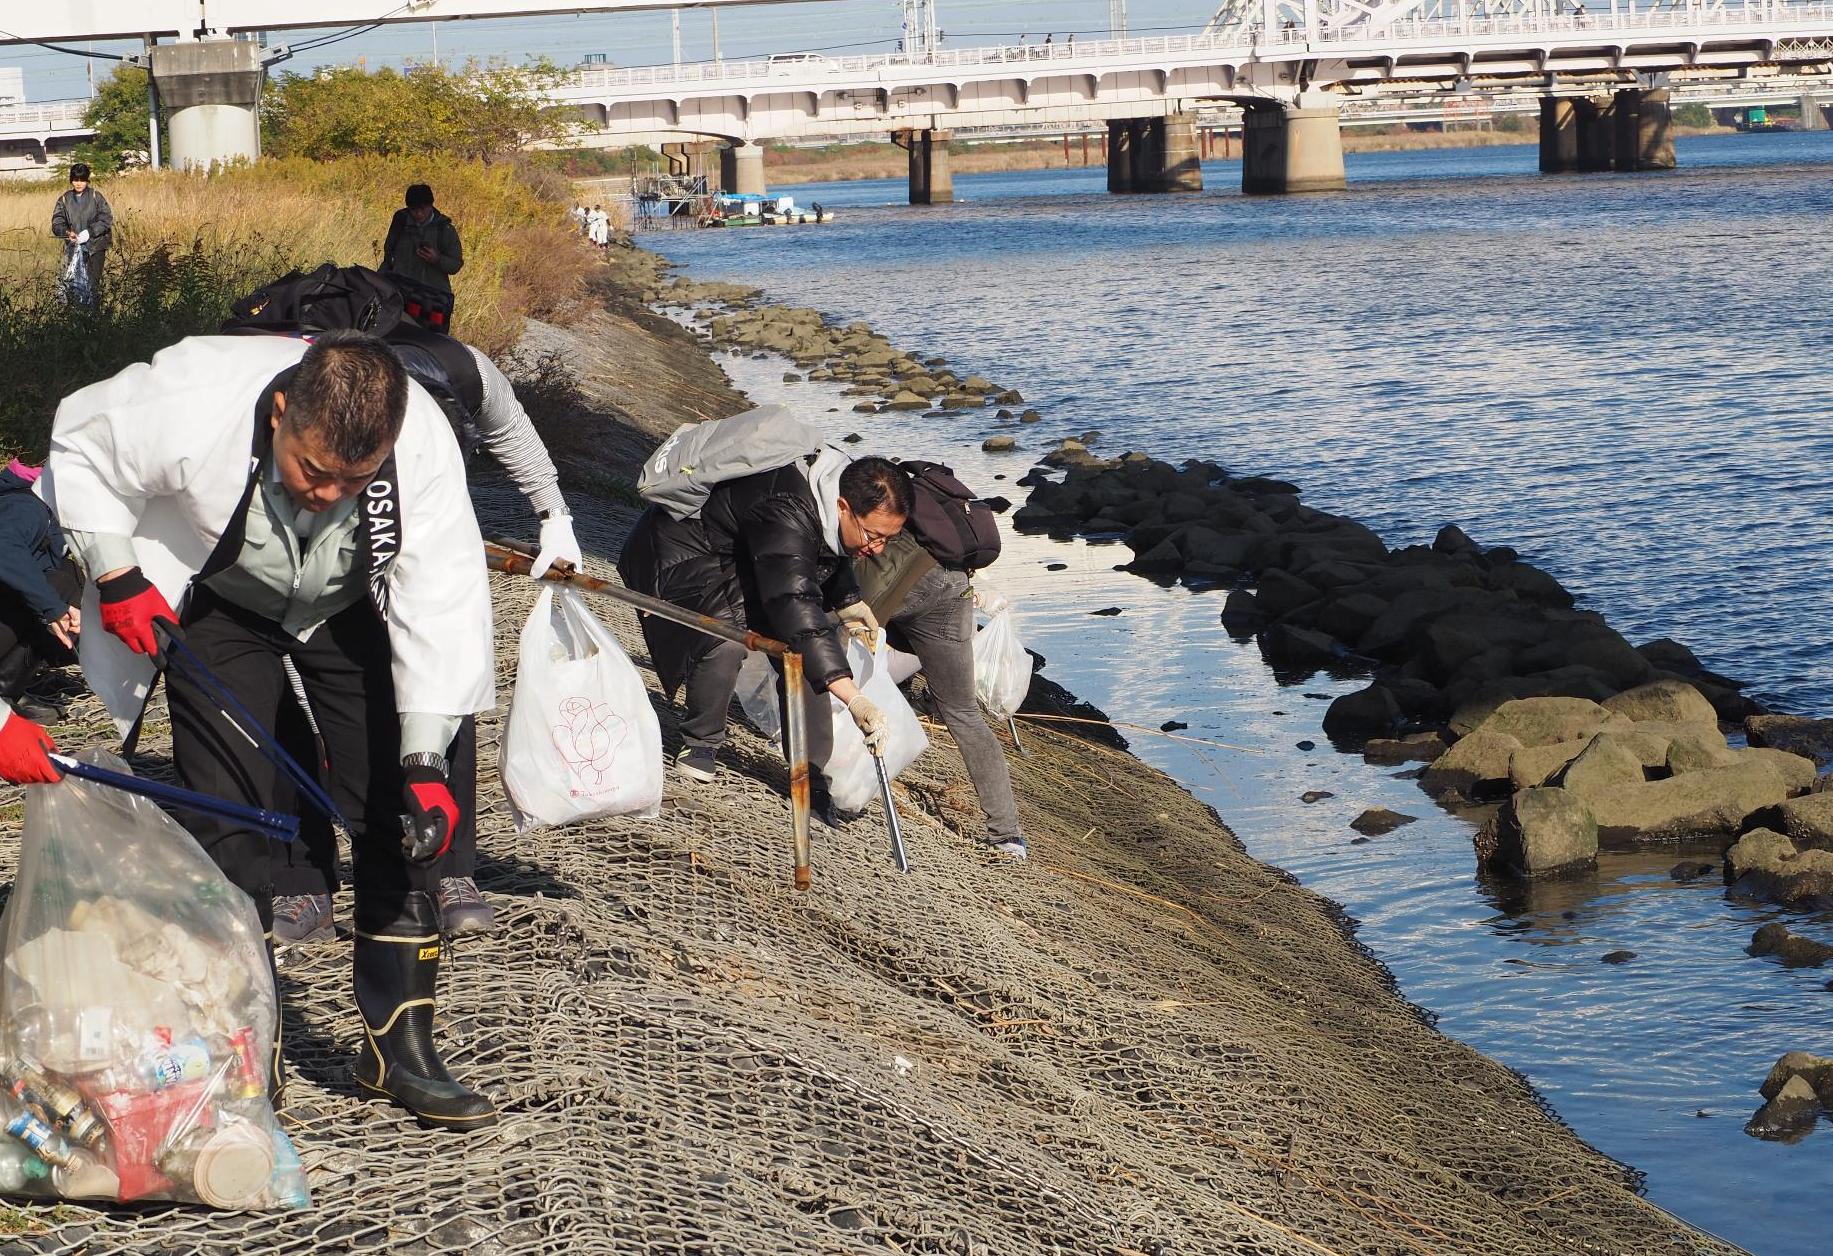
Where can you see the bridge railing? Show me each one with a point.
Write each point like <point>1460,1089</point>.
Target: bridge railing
<point>1097,55</point>
<point>49,113</point>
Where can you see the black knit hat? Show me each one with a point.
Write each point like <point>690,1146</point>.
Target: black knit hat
<point>418,194</point>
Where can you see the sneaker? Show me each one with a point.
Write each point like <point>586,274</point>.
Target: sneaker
<point>698,763</point>
<point>303,918</point>
<point>39,712</point>
<point>462,910</point>
<point>1012,848</point>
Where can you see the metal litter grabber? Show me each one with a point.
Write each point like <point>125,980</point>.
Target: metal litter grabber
<point>1012,723</point>
<point>898,854</point>
<point>284,827</point>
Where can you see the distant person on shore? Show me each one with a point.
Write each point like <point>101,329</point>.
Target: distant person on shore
<point>598,227</point>
<point>768,551</point>
<point>86,225</point>
<point>422,249</point>
<point>579,218</point>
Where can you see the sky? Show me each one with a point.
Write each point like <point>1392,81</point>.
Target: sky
<point>840,27</point>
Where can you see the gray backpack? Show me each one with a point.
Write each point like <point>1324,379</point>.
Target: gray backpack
<point>678,476</point>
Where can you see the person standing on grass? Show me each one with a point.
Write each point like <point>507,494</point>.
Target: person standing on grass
<point>86,225</point>
<point>423,249</point>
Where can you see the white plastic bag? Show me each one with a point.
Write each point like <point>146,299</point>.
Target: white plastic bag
<point>1002,668</point>
<point>582,738</point>
<point>756,691</point>
<point>757,695</point>
<point>852,778</point>
<point>136,1014</point>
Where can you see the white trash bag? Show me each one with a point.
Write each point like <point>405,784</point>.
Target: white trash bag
<point>852,778</point>
<point>757,688</point>
<point>582,738</point>
<point>1002,668</point>
<point>136,1014</point>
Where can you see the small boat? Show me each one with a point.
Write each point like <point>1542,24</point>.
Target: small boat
<point>729,210</point>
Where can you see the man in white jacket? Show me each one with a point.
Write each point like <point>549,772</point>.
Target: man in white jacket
<point>302,501</point>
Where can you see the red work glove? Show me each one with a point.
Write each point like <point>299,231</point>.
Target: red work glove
<point>130,606</point>
<point>23,746</point>
<point>432,814</point>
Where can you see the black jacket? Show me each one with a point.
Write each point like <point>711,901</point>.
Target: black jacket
<point>755,558</point>
<point>31,544</point>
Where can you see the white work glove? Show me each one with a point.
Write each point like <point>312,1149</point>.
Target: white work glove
<point>988,602</point>
<point>860,624</point>
<point>557,545</point>
<point>871,721</point>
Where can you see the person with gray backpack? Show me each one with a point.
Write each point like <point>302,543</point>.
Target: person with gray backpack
<point>750,521</point>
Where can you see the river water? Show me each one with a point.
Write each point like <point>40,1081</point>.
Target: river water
<point>1617,375</point>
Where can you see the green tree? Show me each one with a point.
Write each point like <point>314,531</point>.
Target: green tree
<point>118,114</point>
<point>482,111</point>
<point>1694,115</point>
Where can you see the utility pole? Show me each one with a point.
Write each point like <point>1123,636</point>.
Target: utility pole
<point>435,26</point>
<point>715,16</point>
<point>1117,18</point>
<point>676,15</point>
<point>152,108</point>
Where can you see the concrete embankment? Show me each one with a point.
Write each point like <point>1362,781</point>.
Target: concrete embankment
<point>1144,1041</point>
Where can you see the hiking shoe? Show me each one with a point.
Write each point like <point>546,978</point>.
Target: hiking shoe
<point>1012,848</point>
<point>303,918</point>
<point>462,910</point>
<point>698,763</point>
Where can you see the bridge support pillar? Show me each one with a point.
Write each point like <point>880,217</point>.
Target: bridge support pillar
<point>1644,131</point>
<point>1558,135</point>
<point>1179,166</point>
<point>210,89</point>
<point>1597,132</point>
<point>741,169</point>
<point>932,179</point>
<point>1122,143</point>
<point>1291,150</point>
<point>1812,119</point>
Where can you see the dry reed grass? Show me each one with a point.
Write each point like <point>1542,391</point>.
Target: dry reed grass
<point>186,246</point>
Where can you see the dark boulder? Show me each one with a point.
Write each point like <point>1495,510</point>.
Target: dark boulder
<point>1796,734</point>
<point>1793,950</point>
<point>1377,821</point>
<point>1370,712</point>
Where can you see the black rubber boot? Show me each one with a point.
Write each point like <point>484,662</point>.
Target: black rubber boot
<point>397,968</point>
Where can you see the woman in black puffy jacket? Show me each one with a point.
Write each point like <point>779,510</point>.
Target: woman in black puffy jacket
<point>770,552</point>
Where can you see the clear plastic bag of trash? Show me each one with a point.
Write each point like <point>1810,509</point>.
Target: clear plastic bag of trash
<point>136,1014</point>
<point>1002,668</point>
<point>582,739</point>
<point>852,778</point>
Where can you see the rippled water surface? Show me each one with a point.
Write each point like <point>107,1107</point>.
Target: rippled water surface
<point>1619,375</point>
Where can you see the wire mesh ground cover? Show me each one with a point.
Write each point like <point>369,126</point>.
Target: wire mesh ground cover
<point>1144,1042</point>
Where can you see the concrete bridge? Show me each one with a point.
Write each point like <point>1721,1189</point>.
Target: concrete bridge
<point>32,137</point>
<point>1603,76</point>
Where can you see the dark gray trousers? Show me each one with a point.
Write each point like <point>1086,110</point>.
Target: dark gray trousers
<point>936,622</point>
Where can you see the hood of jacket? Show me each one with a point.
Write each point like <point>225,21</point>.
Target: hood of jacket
<point>824,482</point>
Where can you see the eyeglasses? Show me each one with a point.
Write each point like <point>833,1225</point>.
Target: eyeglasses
<point>874,538</point>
